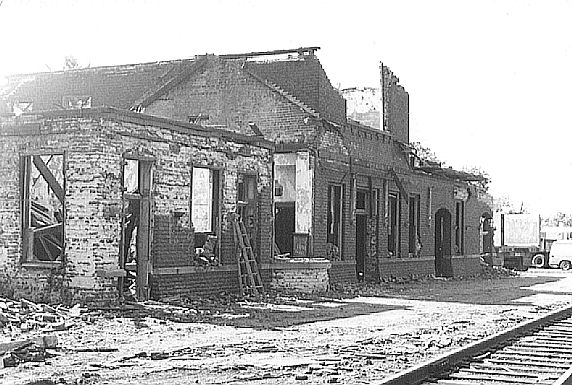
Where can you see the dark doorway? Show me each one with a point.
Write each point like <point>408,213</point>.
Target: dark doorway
<point>361,245</point>
<point>393,229</point>
<point>414,224</point>
<point>284,227</point>
<point>443,267</point>
<point>486,234</point>
<point>247,207</point>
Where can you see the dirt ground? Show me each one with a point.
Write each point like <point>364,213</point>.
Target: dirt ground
<point>357,334</point>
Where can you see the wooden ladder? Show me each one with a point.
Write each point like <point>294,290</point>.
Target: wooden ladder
<point>248,273</point>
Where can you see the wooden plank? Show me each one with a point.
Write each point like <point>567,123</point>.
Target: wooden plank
<point>539,352</point>
<point>507,378</point>
<point>49,177</point>
<point>549,364</point>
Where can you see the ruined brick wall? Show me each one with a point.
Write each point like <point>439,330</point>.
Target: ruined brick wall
<point>466,265</point>
<point>231,97</point>
<point>396,268</point>
<point>10,242</point>
<point>476,206</point>
<point>91,213</point>
<point>351,156</point>
<point>364,105</point>
<point>395,105</point>
<point>94,148</point>
<point>399,113</point>
<point>200,281</point>
<point>306,79</point>
<point>442,196</point>
<point>306,276</point>
<point>344,271</point>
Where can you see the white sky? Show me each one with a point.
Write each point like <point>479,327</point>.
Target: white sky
<point>490,82</point>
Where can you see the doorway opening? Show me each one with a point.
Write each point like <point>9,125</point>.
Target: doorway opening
<point>284,227</point>
<point>247,208</point>
<point>486,232</point>
<point>135,225</point>
<point>361,245</point>
<point>393,225</point>
<point>443,266</point>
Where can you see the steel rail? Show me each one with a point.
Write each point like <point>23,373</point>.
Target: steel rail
<point>565,379</point>
<point>445,362</point>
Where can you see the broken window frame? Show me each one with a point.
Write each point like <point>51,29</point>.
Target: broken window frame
<point>215,199</point>
<point>28,255</point>
<point>22,106</point>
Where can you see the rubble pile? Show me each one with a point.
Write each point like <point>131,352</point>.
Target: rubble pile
<point>27,329</point>
<point>488,271</point>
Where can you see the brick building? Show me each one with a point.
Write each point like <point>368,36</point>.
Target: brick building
<point>100,197</point>
<point>350,201</point>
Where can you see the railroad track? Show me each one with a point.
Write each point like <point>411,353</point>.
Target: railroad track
<point>534,352</point>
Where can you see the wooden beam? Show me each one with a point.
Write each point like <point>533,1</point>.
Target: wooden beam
<point>300,50</point>
<point>49,177</point>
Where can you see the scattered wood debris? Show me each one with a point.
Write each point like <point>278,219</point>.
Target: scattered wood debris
<point>19,319</point>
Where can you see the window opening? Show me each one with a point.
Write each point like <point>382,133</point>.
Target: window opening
<point>204,213</point>
<point>361,200</point>
<point>43,205</point>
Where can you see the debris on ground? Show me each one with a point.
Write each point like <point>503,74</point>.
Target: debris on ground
<point>27,329</point>
<point>370,331</point>
<point>17,317</point>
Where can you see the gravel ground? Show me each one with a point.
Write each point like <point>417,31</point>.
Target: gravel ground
<point>294,340</point>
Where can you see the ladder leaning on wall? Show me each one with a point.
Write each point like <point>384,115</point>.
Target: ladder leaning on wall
<point>248,274</point>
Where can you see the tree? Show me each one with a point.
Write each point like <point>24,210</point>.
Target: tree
<point>425,153</point>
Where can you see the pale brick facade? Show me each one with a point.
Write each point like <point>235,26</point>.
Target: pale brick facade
<point>94,143</point>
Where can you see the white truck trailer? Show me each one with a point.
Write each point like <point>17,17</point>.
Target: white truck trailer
<point>516,239</point>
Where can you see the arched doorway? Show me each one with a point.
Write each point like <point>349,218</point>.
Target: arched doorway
<point>443,267</point>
